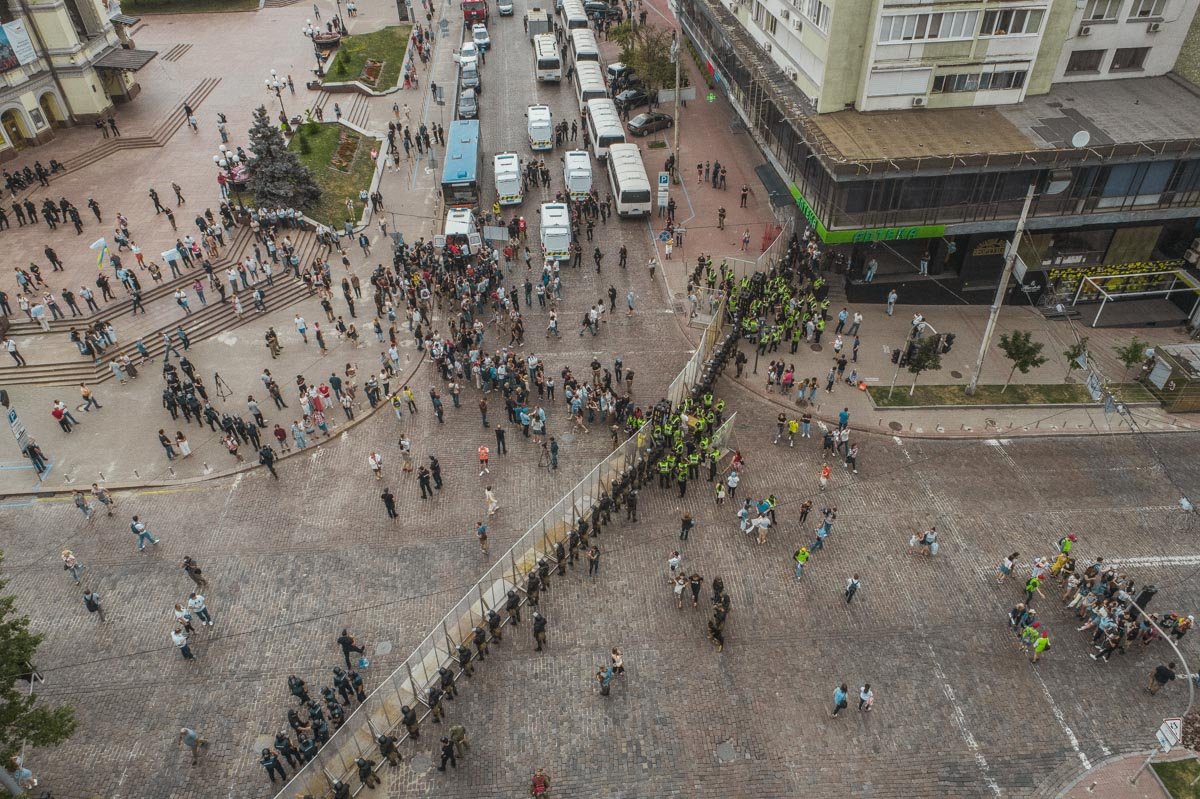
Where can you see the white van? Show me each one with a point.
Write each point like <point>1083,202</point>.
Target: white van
<point>589,83</point>
<point>548,62</point>
<point>541,127</point>
<point>508,179</point>
<point>556,231</point>
<point>584,46</point>
<point>461,229</point>
<point>604,126</point>
<point>577,174</point>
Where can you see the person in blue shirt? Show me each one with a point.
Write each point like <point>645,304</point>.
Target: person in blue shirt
<point>843,418</point>
<point>840,695</point>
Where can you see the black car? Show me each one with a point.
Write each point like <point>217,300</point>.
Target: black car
<point>631,98</point>
<point>650,122</point>
<point>599,8</point>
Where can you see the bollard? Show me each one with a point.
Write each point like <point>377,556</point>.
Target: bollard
<point>102,477</point>
<point>135,474</point>
<point>171,469</point>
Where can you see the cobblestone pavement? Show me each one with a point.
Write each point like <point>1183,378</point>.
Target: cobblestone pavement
<point>960,712</point>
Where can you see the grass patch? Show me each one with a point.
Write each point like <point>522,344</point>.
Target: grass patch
<point>316,146</point>
<point>136,7</point>
<point>1017,394</point>
<point>657,144</point>
<point>386,45</point>
<point>1177,776</point>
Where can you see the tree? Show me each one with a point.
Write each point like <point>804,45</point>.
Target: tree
<point>1132,353</point>
<point>647,51</point>
<point>277,178</point>
<point>22,718</point>
<point>1073,353</point>
<point>925,358</point>
<point>1025,353</point>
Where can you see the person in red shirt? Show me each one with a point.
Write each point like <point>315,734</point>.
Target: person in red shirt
<point>484,453</point>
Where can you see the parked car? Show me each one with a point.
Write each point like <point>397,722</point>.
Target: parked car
<point>479,35</point>
<point>599,8</point>
<point>468,104</point>
<point>621,77</point>
<point>468,52</point>
<point>505,7</point>
<point>650,122</point>
<point>631,98</point>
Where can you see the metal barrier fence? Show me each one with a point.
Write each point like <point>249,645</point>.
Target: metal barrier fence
<point>692,370</point>
<point>380,713</point>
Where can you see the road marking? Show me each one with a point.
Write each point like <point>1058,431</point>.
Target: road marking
<point>1062,722</point>
<point>1157,560</point>
<point>960,720</point>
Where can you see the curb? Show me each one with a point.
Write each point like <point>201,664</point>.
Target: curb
<point>1032,406</point>
<point>960,436</point>
<point>217,475</point>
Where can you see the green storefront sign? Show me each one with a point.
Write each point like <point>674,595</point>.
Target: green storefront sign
<point>868,234</point>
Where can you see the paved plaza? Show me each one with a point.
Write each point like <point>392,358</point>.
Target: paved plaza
<point>960,710</point>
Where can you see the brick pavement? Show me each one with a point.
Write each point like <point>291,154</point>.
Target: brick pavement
<point>955,698</point>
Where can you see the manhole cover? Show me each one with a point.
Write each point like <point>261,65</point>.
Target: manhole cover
<point>955,374</point>
<point>262,742</point>
<point>567,438</point>
<point>726,753</point>
<point>383,648</point>
<point>895,426</point>
<point>420,762</point>
<point>816,347</point>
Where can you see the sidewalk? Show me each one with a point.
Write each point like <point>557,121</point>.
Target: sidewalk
<point>1110,779</point>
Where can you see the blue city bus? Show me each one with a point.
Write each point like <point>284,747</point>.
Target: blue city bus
<point>460,176</point>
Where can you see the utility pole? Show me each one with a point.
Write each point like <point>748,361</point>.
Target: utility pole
<point>1009,260</point>
<point>675,124</point>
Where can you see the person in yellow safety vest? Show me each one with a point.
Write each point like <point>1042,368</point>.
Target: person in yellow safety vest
<point>681,475</point>
<point>664,471</point>
<point>708,400</point>
<point>704,444</point>
<point>694,465</point>
<point>700,425</point>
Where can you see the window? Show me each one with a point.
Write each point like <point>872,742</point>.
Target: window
<point>1102,10</point>
<point>916,27</point>
<point>772,24</point>
<point>1128,58</point>
<point>818,13</point>
<point>758,14</point>
<point>979,81</point>
<point>1012,22</point>
<point>1085,61</point>
<point>1147,9</point>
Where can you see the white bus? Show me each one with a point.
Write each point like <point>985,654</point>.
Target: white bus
<point>508,179</point>
<point>572,16</point>
<point>604,126</point>
<point>589,84</point>
<point>549,64</point>
<point>584,46</point>
<point>627,176</point>
<point>577,174</point>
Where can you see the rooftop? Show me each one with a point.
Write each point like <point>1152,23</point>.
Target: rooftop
<point>1113,112</point>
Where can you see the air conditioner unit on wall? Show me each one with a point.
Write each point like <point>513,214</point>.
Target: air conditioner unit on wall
<point>798,25</point>
<point>918,102</point>
<point>784,13</point>
<point>1085,30</point>
<point>767,46</point>
<point>792,74</point>
<point>1154,27</point>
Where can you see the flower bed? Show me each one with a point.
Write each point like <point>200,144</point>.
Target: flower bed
<point>347,146</point>
<point>370,72</point>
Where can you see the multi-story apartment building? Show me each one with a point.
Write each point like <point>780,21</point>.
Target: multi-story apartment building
<point>913,130</point>
<point>62,62</point>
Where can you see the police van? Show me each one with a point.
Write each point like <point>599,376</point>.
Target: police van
<point>577,174</point>
<point>556,231</point>
<point>508,179</point>
<point>541,127</point>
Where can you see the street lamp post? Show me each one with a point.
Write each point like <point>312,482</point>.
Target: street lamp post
<point>276,85</point>
<point>227,159</point>
<point>311,32</point>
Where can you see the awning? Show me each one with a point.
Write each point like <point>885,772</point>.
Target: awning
<point>124,19</point>
<point>777,190</point>
<point>126,60</point>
